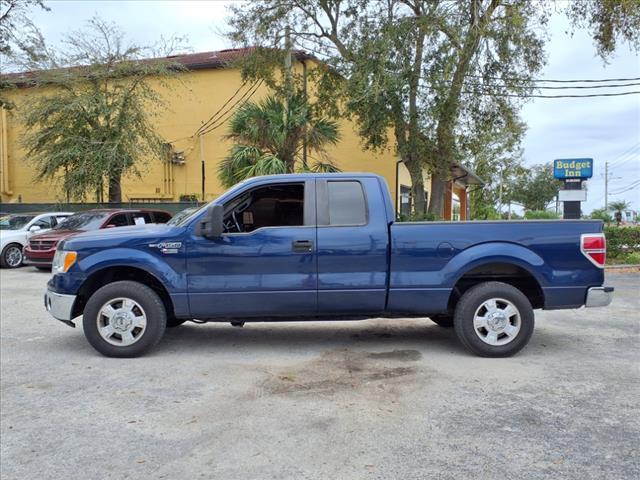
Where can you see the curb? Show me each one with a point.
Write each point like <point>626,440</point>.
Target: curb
<point>622,268</point>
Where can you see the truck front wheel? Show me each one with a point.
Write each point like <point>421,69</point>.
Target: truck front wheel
<point>494,319</point>
<point>124,319</point>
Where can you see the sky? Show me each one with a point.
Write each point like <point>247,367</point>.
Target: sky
<point>606,129</point>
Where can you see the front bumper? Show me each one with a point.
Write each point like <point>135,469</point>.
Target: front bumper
<point>38,258</point>
<point>36,262</point>
<point>599,296</point>
<point>60,306</point>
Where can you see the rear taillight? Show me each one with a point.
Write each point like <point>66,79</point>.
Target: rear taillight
<point>594,247</point>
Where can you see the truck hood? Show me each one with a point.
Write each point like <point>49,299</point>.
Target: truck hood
<point>123,236</point>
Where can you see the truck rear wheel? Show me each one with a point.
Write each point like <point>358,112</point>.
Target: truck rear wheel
<point>494,319</point>
<point>124,319</point>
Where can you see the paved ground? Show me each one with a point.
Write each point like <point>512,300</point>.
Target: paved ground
<point>375,399</point>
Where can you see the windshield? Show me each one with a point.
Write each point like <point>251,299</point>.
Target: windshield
<point>179,217</point>
<point>83,221</point>
<point>14,222</point>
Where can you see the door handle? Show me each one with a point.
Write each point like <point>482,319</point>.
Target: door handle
<point>302,246</point>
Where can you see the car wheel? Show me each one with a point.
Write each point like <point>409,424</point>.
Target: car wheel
<point>124,319</point>
<point>494,319</point>
<point>11,256</point>
<point>445,321</point>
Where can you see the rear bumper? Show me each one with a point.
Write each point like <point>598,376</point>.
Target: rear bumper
<point>599,296</point>
<point>60,306</point>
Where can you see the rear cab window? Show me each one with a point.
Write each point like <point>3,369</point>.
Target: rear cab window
<point>347,205</point>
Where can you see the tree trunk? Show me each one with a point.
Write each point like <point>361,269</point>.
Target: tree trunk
<point>417,186</point>
<point>436,205</point>
<point>115,188</point>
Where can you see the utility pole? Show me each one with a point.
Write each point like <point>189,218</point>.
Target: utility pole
<point>202,169</point>
<point>500,194</point>
<point>287,62</point>
<point>606,185</point>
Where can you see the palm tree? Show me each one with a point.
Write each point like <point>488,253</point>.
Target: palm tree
<point>269,138</point>
<point>618,207</point>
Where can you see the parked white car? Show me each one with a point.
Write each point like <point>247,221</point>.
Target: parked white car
<point>15,230</point>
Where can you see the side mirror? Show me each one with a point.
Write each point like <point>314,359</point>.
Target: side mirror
<point>34,228</point>
<point>211,225</point>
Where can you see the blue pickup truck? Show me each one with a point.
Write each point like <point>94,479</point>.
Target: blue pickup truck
<point>323,246</point>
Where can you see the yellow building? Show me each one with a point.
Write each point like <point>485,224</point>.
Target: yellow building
<point>203,89</point>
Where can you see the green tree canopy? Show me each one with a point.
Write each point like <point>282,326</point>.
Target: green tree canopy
<point>93,126</point>
<point>439,74</point>
<point>270,138</point>
<point>13,23</point>
<point>535,188</point>
<point>422,69</point>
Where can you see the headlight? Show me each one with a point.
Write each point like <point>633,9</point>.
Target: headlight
<point>63,260</point>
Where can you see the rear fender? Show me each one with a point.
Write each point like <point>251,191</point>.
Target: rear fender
<point>496,252</point>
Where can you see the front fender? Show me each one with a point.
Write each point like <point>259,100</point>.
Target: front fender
<point>496,252</point>
<point>170,273</point>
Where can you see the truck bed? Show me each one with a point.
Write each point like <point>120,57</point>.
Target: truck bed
<point>428,259</point>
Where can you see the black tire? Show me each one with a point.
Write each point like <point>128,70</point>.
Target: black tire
<point>7,257</point>
<point>173,322</point>
<point>154,310</point>
<point>473,299</point>
<point>445,321</point>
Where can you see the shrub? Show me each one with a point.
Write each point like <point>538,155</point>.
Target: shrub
<point>419,217</point>
<point>601,214</point>
<point>622,240</point>
<point>540,215</point>
<point>632,258</point>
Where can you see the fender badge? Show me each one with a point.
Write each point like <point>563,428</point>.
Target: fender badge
<point>167,247</point>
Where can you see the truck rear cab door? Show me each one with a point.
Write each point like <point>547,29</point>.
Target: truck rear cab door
<point>352,246</point>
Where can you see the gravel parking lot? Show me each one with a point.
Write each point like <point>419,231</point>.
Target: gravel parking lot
<point>384,399</point>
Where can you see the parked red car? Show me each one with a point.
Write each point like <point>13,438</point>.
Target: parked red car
<point>41,248</point>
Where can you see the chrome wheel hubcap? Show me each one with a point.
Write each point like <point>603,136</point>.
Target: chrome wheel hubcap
<point>13,256</point>
<point>497,321</point>
<point>121,322</point>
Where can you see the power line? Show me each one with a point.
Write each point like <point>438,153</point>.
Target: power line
<point>614,85</point>
<point>220,121</point>
<point>211,119</point>
<point>564,87</point>
<point>629,187</point>
<point>554,96</point>
<point>630,153</point>
<point>543,80</point>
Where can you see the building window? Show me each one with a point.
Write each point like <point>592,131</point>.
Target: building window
<point>455,208</point>
<point>405,200</point>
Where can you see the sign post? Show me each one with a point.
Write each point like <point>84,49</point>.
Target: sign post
<point>572,171</point>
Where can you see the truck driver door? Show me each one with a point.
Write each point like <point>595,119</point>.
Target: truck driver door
<point>265,262</point>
